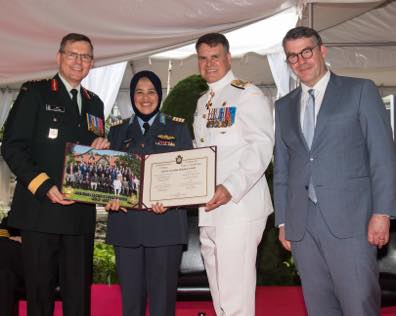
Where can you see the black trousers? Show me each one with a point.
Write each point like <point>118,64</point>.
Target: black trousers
<point>51,260</point>
<point>11,275</point>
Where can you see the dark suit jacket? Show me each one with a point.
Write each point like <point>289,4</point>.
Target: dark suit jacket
<point>352,159</point>
<point>139,227</point>
<point>41,121</point>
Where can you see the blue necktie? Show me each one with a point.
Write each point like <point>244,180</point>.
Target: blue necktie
<point>308,131</point>
<point>309,118</point>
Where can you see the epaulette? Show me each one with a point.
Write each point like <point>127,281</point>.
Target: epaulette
<point>34,83</point>
<point>119,122</point>
<point>240,84</point>
<point>175,118</point>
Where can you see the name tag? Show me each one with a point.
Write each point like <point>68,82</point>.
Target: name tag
<point>55,108</point>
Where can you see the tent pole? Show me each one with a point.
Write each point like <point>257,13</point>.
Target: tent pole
<point>169,77</point>
<point>310,15</point>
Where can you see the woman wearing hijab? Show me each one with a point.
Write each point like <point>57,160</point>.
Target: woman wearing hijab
<point>148,243</point>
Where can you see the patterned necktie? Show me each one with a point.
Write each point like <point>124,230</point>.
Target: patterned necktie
<point>74,93</point>
<point>308,131</point>
<point>309,118</point>
<point>146,127</point>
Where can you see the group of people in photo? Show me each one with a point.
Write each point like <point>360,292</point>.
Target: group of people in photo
<point>334,184</point>
<point>102,177</point>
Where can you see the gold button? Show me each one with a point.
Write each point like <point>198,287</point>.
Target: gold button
<point>202,140</point>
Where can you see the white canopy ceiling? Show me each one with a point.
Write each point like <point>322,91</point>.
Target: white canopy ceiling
<point>121,30</point>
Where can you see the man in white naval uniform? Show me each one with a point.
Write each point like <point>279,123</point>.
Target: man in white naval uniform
<point>237,118</point>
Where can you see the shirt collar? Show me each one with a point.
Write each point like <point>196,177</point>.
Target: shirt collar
<point>68,85</point>
<point>320,85</point>
<point>220,84</point>
<point>150,121</point>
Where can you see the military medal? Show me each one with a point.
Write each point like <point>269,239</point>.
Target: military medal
<point>209,103</point>
<point>221,117</point>
<point>95,125</point>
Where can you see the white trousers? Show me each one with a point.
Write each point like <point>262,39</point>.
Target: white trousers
<point>229,255</point>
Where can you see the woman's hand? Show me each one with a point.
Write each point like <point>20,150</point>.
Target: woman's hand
<point>114,206</point>
<point>158,208</point>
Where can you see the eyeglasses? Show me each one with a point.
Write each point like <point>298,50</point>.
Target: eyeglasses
<point>306,53</point>
<point>85,58</point>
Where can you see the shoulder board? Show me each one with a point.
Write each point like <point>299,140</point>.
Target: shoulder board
<point>119,122</point>
<point>240,84</point>
<point>35,83</point>
<point>174,118</point>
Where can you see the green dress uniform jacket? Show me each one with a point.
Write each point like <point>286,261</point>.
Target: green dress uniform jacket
<point>42,119</point>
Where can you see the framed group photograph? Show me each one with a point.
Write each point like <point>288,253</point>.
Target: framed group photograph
<point>179,178</point>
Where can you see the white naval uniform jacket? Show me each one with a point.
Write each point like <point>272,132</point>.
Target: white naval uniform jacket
<point>244,150</point>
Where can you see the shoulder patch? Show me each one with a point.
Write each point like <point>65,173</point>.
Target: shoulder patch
<point>88,94</point>
<point>240,84</point>
<point>175,119</point>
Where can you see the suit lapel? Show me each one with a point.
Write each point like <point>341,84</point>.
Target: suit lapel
<point>329,104</point>
<point>295,113</point>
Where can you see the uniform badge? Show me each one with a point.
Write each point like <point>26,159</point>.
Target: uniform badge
<point>54,85</point>
<point>95,124</point>
<point>86,94</point>
<point>53,133</point>
<point>55,108</point>
<point>165,137</point>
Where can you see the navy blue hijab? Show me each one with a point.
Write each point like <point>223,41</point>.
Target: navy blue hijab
<point>157,85</point>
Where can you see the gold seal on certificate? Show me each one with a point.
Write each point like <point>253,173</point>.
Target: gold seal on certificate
<point>178,178</point>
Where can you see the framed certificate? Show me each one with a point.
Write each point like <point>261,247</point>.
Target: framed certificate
<point>178,178</point>
<point>185,177</point>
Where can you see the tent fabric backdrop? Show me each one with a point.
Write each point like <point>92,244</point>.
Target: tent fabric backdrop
<point>30,31</point>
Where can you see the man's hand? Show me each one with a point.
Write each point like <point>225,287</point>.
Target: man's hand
<point>100,143</point>
<point>114,206</point>
<point>57,197</point>
<point>221,196</point>
<point>282,238</point>
<point>378,230</point>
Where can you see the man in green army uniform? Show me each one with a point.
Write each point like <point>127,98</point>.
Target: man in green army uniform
<point>57,234</point>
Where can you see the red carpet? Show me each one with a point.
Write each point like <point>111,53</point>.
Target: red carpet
<point>270,301</point>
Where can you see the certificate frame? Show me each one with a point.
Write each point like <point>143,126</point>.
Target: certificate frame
<point>178,178</point>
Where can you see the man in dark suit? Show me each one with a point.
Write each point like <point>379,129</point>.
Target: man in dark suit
<point>334,181</point>
<point>57,234</point>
